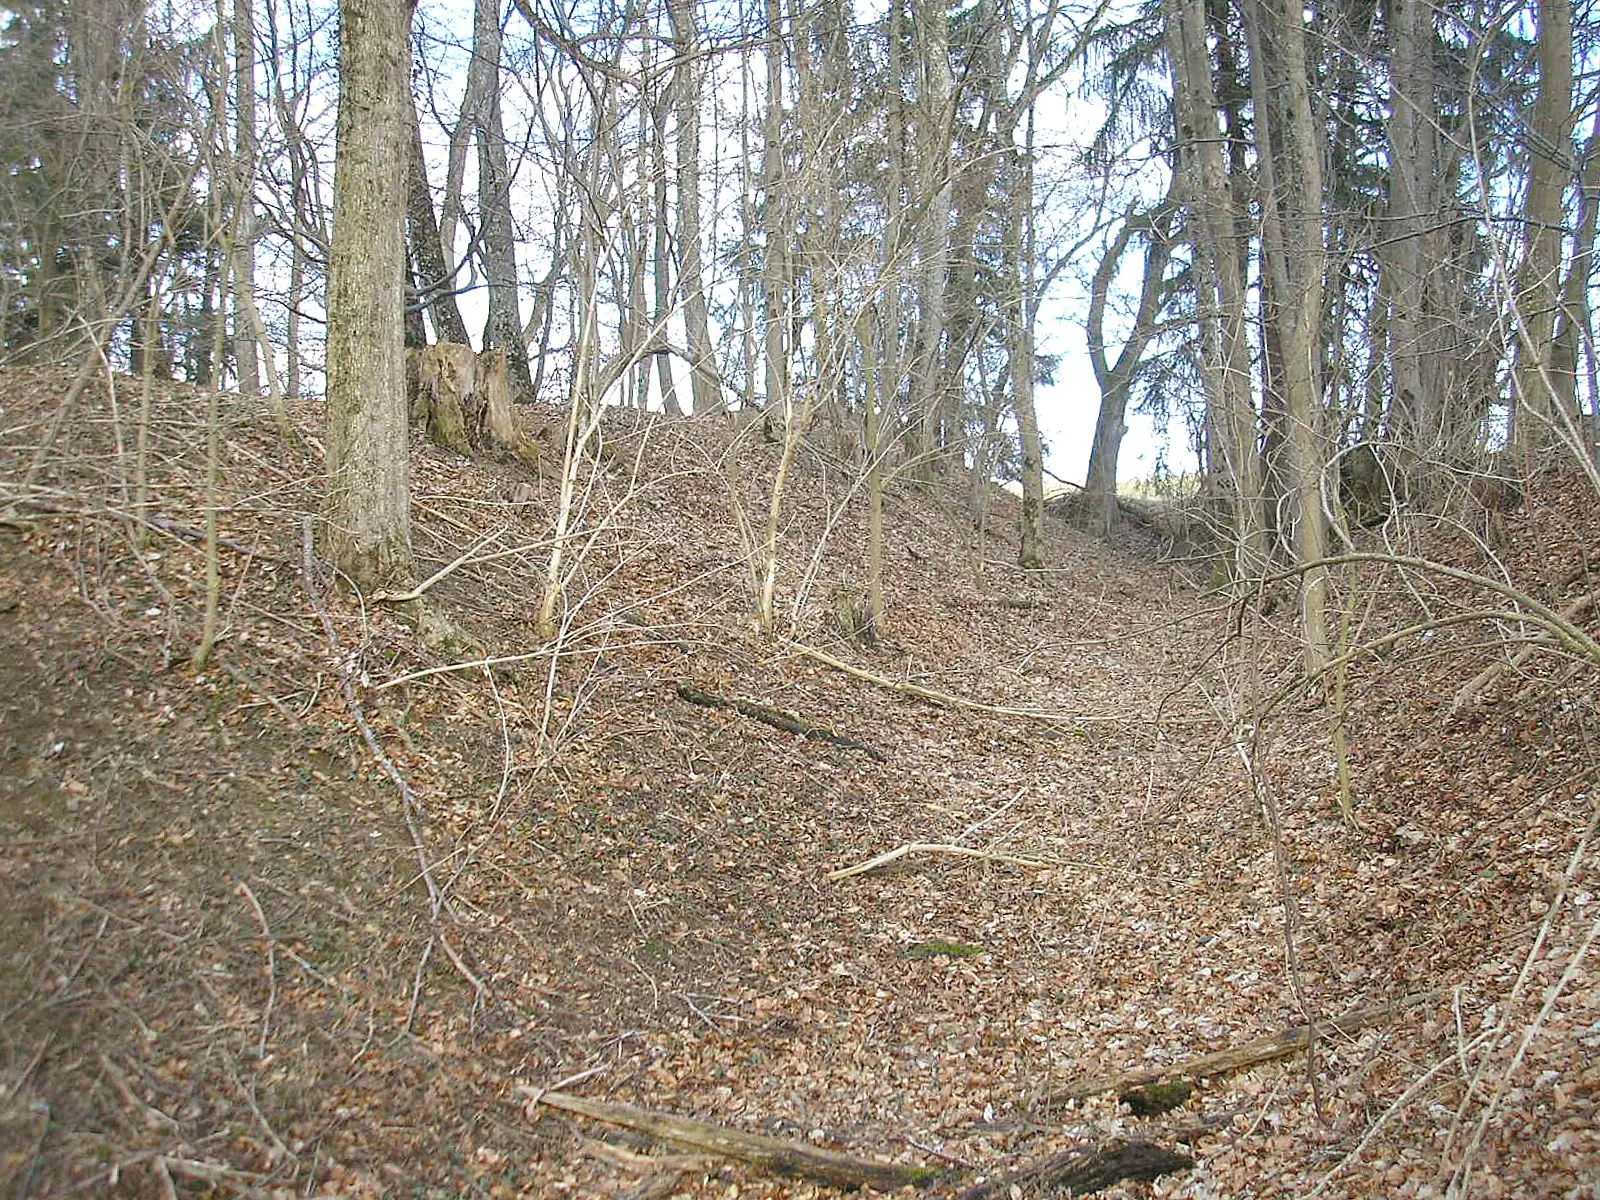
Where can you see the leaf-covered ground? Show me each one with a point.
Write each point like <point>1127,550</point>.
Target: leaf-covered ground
<point>236,957</point>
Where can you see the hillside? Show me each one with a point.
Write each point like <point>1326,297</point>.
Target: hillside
<point>265,934</point>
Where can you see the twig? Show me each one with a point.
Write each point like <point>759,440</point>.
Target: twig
<point>899,852</point>
<point>1080,1172</point>
<point>946,700</point>
<point>443,572</point>
<point>1494,670</point>
<point>272,966</point>
<point>153,1116</point>
<point>788,722</point>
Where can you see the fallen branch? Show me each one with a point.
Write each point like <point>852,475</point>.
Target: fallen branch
<point>1237,1058</point>
<point>1494,670</point>
<point>946,700</point>
<point>788,722</point>
<point>1079,1172</point>
<point>899,852</point>
<point>781,1155</point>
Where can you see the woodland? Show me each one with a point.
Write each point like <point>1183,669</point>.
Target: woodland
<point>540,653</point>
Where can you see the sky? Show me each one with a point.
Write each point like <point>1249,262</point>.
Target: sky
<point>1067,407</point>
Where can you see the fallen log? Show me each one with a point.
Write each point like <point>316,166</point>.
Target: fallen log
<point>782,1156</point>
<point>788,722</point>
<point>1079,1172</point>
<point>1236,1058</point>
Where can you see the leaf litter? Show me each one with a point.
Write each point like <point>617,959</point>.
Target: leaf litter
<point>222,972</point>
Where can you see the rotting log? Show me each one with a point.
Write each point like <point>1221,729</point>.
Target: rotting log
<point>788,722</point>
<point>1235,1058</point>
<point>1080,1172</point>
<point>782,1156</point>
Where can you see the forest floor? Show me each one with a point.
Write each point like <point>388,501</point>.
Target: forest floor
<point>247,950</point>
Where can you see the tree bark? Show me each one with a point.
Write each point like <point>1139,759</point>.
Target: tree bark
<point>435,280</point>
<point>1231,419</point>
<point>497,246</point>
<point>368,460</point>
<point>704,380</point>
<point>1538,423</point>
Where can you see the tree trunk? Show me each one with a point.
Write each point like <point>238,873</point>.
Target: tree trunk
<point>1573,325</point>
<point>1538,423</point>
<point>435,280</point>
<point>1097,507</point>
<point>1019,256</point>
<point>930,20</point>
<point>1231,418</point>
<point>1416,412</point>
<point>661,262</point>
<point>368,461</point>
<point>247,355</point>
<point>774,223</point>
<point>503,330</point>
<point>704,381</point>
<point>1289,159</point>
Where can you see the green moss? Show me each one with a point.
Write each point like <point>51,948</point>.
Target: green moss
<point>1156,1098</point>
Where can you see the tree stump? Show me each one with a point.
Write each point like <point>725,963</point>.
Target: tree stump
<point>463,400</point>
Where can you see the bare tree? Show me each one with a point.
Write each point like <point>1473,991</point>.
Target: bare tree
<point>1097,506</point>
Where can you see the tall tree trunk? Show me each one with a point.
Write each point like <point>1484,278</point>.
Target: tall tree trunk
<point>872,427</point>
<point>1098,505</point>
<point>661,261</point>
<point>435,280</point>
<point>247,354</point>
<point>1573,326</point>
<point>931,22</point>
<point>774,221</point>
<point>703,376</point>
<point>1537,422</point>
<point>1232,419</point>
<point>503,330</point>
<point>368,459</point>
<point>1020,263</point>
<point>1289,158</point>
<point>1416,418</point>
